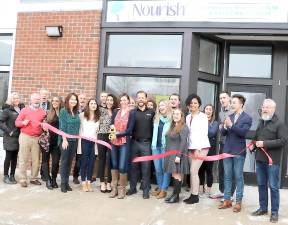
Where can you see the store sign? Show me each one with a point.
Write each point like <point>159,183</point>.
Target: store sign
<point>266,11</point>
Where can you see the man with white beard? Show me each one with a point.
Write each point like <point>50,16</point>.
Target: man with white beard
<point>28,121</point>
<point>271,135</point>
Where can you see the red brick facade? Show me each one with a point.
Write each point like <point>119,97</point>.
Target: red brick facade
<point>63,64</point>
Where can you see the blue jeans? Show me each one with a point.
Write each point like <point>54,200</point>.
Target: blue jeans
<point>119,157</point>
<point>67,156</point>
<point>268,175</point>
<point>163,179</point>
<point>87,159</point>
<point>234,165</point>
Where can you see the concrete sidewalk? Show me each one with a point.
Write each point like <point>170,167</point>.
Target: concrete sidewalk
<point>37,205</point>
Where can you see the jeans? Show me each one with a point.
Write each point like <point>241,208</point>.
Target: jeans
<point>140,148</point>
<point>163,179</point>
<point>87,159</point>
<point>104,156</point>
<point>77,165</point>
<point>119,157</point>
<point>221,174</point>
<point>206,171</point>
<point>67,156</point>
<point>55,154</point>
<point>234,165</point>
<point>268,175</point>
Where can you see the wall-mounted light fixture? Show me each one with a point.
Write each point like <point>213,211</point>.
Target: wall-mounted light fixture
<point>54,31</point>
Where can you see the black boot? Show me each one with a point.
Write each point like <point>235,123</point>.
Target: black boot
<point>188,199</point>
<point>194,199</point>
<point>63,188</point>
<point>49,184</point>
<point>12,179</point>
<point>54,183</point>
<point>6,179</point>
<point>68,187</point>
<point>175,196</point>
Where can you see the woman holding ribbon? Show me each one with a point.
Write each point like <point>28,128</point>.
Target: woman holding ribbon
<point>161,126</point>
<point>69,122</point>
<point>177,164</point>
<point>89,128</point>
<point>122,124</point>
<point>199,145</point>
<point>53,120</point>
<point>103,134</point>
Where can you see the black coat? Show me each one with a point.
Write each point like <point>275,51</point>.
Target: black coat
<point>11,132</point>
<point>275,136</point>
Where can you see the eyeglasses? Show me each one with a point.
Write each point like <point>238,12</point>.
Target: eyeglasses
<point>55,100</point>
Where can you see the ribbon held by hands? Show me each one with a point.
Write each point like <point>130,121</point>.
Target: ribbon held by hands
<point>203,158</point>
<point>63,134</point>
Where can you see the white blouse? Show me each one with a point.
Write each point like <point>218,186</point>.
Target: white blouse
<point>198,136</point>
<point>88,129</point>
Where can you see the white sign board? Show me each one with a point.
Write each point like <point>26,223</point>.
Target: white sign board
<point>266,11</point>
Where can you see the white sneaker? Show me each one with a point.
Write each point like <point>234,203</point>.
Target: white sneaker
<point>217,195</point>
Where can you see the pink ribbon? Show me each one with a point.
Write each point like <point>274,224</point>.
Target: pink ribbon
<point>63,134</point>
<point>203,158</point>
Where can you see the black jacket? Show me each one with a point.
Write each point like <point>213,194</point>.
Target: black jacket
<point>274,133</point>
<point>11,132</point>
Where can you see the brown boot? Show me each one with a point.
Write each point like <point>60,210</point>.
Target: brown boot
<point>237,207</point>
<point>162,194</point>
<point>225,205</point>
<point>122,186</point>
<point>156,192</point>
<point>114,183</point>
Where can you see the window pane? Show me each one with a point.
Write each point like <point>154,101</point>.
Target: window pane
<point>5,50</point>
<point>158,87</point>
<point>156,51</point>
<point>4,83</point>
<point>252,104</point>
<point>250,61</point>
<point>206,92</point>
<point>208,59</point>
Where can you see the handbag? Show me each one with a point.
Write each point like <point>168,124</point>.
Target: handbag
<point>44,141</point>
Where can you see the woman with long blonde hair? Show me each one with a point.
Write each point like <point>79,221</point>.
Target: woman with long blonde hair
<point>161,126</point>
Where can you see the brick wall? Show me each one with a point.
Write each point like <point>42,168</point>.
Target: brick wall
<point>61,65</point>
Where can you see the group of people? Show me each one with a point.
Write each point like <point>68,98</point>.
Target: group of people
<point>140,127</point>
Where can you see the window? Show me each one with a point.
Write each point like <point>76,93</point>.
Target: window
<point>5,49</point>
<point>158,87</point>
<point>207,92</point>
<point>208,57</point>
<point>6,41</point>
<point>154,51</point>
<point>250,61</point>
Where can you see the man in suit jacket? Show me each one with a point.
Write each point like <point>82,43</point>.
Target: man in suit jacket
<point>44,95</point>
<point>235,128</point>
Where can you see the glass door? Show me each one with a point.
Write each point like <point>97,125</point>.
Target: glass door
<point>254,97</point>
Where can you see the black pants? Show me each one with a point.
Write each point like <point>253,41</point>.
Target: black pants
<point>67,156</point>
<point>10,162</point>
<point>104,156</point>
<point>221,174</point>
<point>206,170</point>
<point>77,166</point>
<point>139,148</point>
<point>54,151</point>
